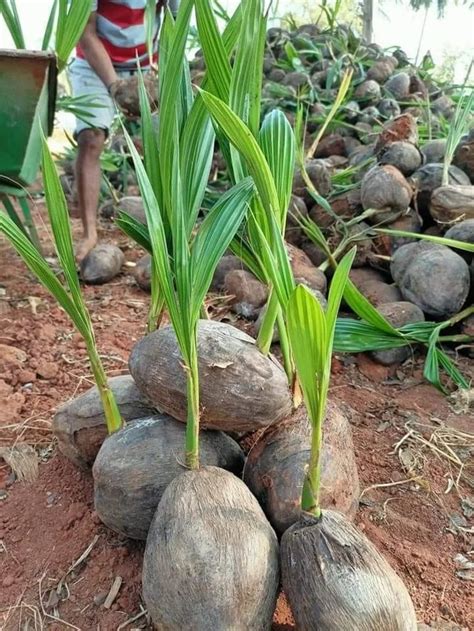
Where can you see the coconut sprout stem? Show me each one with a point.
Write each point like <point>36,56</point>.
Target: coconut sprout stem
<point>265,335</point>
<point>113,418</point>
<point>192,423</point>
<point>312,483</point>
<point>285,347</point>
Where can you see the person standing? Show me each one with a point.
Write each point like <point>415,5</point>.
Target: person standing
<point>108,54</point>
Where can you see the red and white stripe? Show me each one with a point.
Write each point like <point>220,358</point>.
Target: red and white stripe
<point>121,28</point>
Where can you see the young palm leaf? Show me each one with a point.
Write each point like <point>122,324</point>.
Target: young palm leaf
<point>72,19</point>
<point>450,243</point>
<point>68,296</point>
<point>311,334</point>
<point>457,129</point>
<point>184,257</point>
<point>9,11</point>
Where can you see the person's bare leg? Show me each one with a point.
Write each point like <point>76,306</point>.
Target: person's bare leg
<point>88,178</point>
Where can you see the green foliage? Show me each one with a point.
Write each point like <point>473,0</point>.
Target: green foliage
<point>68,294</point>
<point>72,19</point>
<point>172,183</point>
<point>311,334</point>
<point>9,11</point>
<point>457,128</point>
<point>67,18</point>
<point>441,5</point>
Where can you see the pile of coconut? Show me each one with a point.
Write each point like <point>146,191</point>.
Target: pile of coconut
<point>224,521</point>
<point>376,168</point>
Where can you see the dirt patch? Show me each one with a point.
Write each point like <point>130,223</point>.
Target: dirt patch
<point>420,521</point>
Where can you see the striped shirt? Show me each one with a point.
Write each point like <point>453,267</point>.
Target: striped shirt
<point>121,28</point>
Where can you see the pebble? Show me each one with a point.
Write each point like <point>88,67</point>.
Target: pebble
<point>47,370</point>
<point>8,581</point>
<point>26,376</point>
<point>99,599</point>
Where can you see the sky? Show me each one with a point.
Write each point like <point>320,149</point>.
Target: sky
<point>394,24</point>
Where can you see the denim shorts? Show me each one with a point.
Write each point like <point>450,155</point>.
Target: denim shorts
<point>85,82</point>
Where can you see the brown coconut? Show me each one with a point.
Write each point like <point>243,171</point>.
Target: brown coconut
<point>142,273</point>
<point>227,263</point>
<point>368,91</point>
<point>378,293</point>
<point>241,389</point>
<point>402,128</point>
<point>403,155</point>
<point>319,176</point>
<point>135,465</point>
<point>382,69</point>
<point>102,264</point>
<point>211,558</point>
<point>304,271</point>
<point>247,294</point>
<point>335,578</point>
<point>385,190</point>
<point>398,85</point>
<point>79,425</point>
<point>398,314</point>
<point>464,155</point>
<point>463,231</point>
<point>408,222</point>
<point>449,204</point>
<point>275,467</point>
<point>429,177</point>
<point>434,150</point>
<point>431,276</point>
<point>126,93</point>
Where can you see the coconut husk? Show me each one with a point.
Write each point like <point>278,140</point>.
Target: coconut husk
<point>398,85</point>
<point>464,155</point>
<point>389,108</point>
<point>398,314</point>
<point>79,425</point>
<point>386,190</point>
<point>335,578</point>
<point>142,272</point>
<point>368,92</point>
<point>431,276</point>
<point>211,558</point>
<point>102,264</point>
<point>240,388</point>
<point>403,155</point>
<point>275,467</point>
<point>135,465</point>
<point>450,204</point>
<point>126,93</point>
<point>401,128</point>
<point>429,177</point>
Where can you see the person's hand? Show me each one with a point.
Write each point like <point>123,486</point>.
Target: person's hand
<point>125,93</point>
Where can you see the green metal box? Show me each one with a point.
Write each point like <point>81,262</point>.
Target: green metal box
<point>28,81</point>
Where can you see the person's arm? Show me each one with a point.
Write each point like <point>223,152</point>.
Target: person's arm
<point>96,54</point>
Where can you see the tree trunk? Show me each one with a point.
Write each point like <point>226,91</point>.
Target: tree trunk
<point>368,19</point>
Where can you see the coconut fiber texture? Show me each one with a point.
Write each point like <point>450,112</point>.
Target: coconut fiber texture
<point>240,388</point>
<point>79,425</point>
<point>136,464</point>
<point>336,580</point>
<point>211,558</point>
<point>276,465</point>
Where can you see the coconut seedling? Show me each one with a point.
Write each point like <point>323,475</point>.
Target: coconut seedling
<point>265,150</point>
<point>209,538</point>
<point>332,575</point>
<point>67,293</point>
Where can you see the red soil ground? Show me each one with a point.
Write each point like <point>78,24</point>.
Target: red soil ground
<point>420,520</point>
